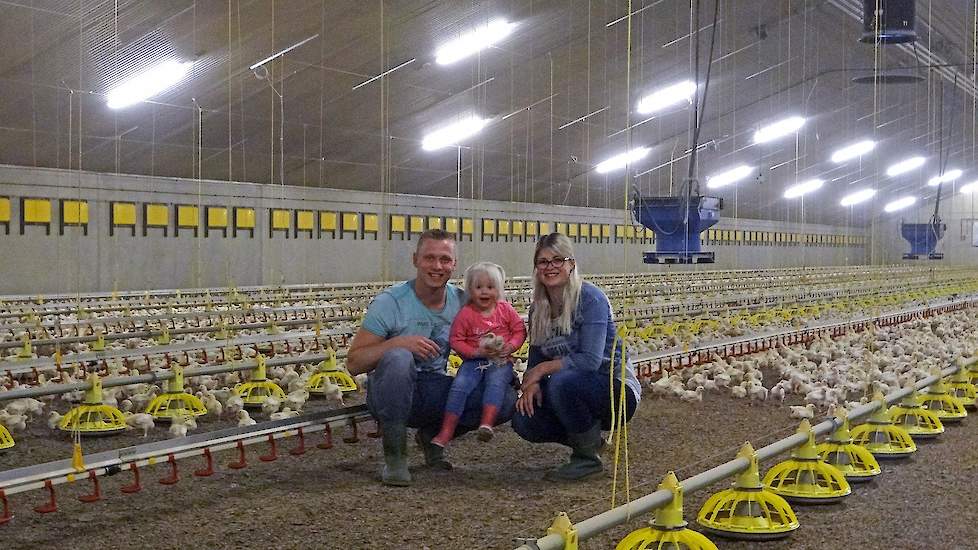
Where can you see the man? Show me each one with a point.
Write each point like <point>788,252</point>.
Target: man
<point>403,345</point>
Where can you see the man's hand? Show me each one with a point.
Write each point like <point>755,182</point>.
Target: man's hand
<point>419,346</point>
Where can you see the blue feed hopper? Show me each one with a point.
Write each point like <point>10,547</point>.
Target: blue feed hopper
<point>923,239</point>
<point>677,223</point>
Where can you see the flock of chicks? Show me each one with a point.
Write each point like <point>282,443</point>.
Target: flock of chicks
<point>828,373</point>
<point>216,392</point>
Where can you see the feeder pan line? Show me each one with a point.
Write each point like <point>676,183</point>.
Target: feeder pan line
<point>143,319</point>
<point>47,364</point>
<point>677,352</point>
<point>621,514</point>
<point>28,304</point>
<point>70,300</point>
<point>35,477</point>
<point>153,377</point>
<point>173,332</point>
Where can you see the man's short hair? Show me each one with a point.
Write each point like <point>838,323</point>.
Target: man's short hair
<point>435,235</point>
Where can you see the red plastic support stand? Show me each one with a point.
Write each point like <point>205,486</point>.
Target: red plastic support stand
<point>353,437</point>
<point>301,448</point>
<point>96,489</point>
<point>52,505</point>
<point>272,455</point>
<point>7,516</point>
<point>174,474</point>
<point>327,438</point>
<point>208,469</point>
<point>377,431</point>
<point>136,486</point>
<point>241,462</point>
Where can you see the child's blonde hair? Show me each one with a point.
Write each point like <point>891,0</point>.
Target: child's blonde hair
<point>489,269</point>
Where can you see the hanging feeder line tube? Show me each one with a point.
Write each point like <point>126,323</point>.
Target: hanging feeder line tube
<point>112,462</point>
<point>159,376</point>
<point>622,514</point>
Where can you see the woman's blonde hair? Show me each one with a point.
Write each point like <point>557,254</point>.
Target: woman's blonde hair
<point>542,321</point>
<point>489,269</point>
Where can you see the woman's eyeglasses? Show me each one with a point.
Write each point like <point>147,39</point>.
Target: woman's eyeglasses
<point>555,262</point>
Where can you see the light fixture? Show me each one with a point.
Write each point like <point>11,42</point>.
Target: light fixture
<point>473,41</point>
<point>852,151</point>
<point>621,160</point>
<point>802,188</point>
<point>730,176</point>
<point>665,97</point>
<point>453,133</point>
<point>969,187</point>
<point>857,197</point>
<point>950,175</point>
<point>148,83</point>
<point>899,204</point>
<point>905,166</point>
<point>778,129</point>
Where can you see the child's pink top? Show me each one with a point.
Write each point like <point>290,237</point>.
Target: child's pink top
<point>470,325</point>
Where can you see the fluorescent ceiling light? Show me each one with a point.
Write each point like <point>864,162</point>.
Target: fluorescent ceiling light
<point>969,187</point>
<point>905,166</point>
<point>852,151</point>
<point>857,197</point>
<point>779,129</point>
<point>473,41</point>
<point>621,160</point>
<point>730,176</point>
<point>148,83</point>
<point>800,189</point>
<point>950,175</point>
<point>665,97</point>
<point>899,204</point>
<point>453,133</point>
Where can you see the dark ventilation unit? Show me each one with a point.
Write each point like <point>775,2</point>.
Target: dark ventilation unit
<point>889,21</point>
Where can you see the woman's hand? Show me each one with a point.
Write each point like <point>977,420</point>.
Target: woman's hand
<point>532,395</point>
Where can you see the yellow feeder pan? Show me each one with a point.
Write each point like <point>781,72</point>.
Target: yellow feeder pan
<point>972,372</point>
<point>330,371</point>
<point>939,401</point>
<point>961,387</point>
<point>805,478</point>
<point>6,440</point>
<point>668,530</point>
<point>855,462</point>
<point>454,362</point>
<point>920,423</point>
<point>748,510</point>
<point>93,417</point>
<point>164,337</point>
<point>880,436</point>
<point>26,350</point>
<point>175,402</point>
<point>258,389</point>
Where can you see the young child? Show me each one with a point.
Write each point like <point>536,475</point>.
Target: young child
<point>484,334</point>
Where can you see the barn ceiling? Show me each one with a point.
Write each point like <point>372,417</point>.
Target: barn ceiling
<point>561,91</point>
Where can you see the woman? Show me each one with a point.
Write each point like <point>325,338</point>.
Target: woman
<point>565,395</point>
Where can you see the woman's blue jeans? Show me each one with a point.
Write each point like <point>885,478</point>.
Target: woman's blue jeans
<point>573,402</point>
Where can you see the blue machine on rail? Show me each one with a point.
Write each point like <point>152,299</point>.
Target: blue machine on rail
<point>923,238</point>
<point>677,222</point>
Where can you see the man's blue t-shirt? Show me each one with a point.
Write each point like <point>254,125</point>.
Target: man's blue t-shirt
<point>398,312</point>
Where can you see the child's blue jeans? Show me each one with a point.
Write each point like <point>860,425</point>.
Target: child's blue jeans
<point>470,373</point>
